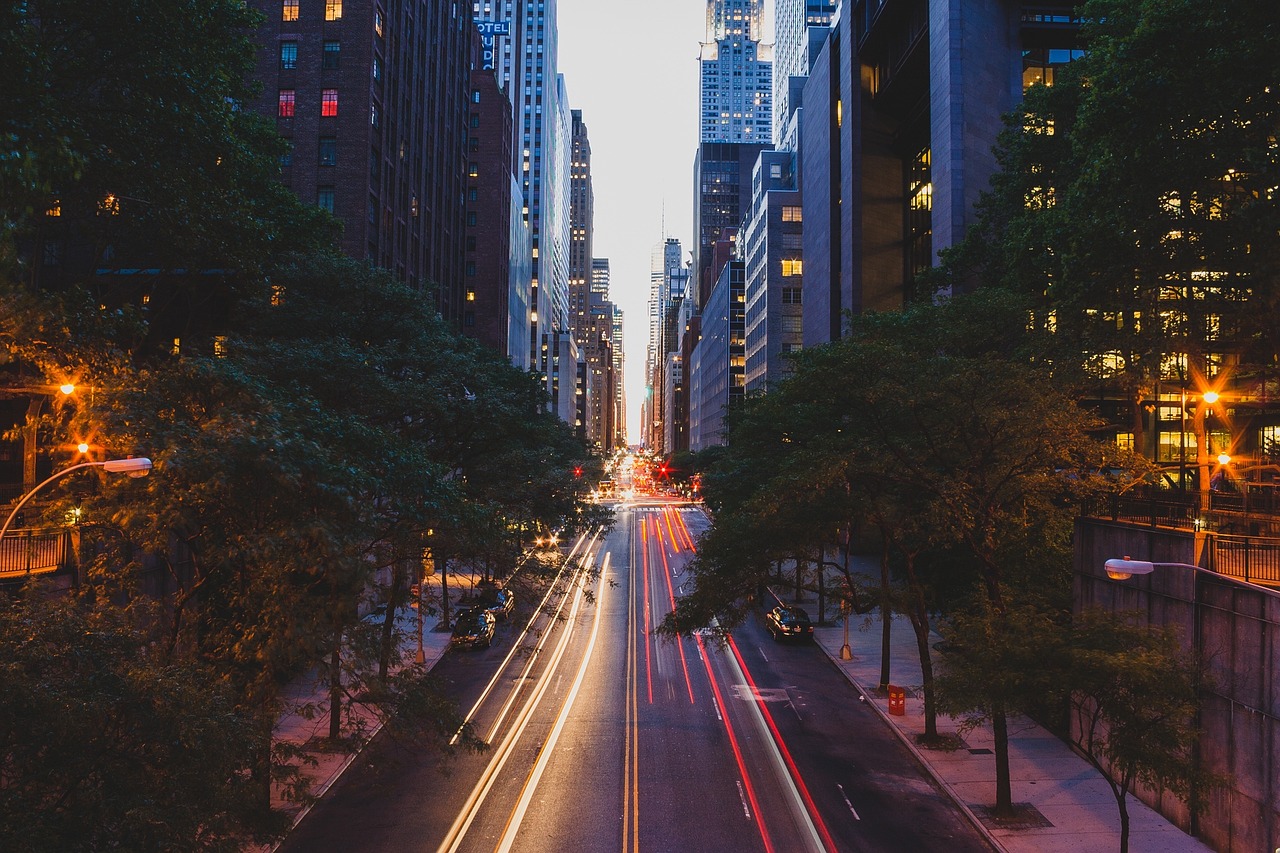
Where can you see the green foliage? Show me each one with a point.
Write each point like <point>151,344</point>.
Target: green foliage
<point>108,742</point>
<point>105,99</point>
<point>1134,696</point>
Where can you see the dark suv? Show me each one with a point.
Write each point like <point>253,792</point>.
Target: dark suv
<point>792,623</point>
<point>473,628</point>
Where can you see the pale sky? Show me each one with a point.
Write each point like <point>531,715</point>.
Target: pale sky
<point>632,68</point>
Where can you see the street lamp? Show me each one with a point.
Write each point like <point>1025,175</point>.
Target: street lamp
<point>133,466</point>
<point>1122,570</point>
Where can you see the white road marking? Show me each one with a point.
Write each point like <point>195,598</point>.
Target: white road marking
<point>742,795</point>
<point>847,803</point>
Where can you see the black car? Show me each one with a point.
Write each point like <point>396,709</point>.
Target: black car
<point>792,623</point>
<point>498,601</point>
<point>473,628</point>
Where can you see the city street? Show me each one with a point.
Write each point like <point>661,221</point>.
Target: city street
<point>604,737</point>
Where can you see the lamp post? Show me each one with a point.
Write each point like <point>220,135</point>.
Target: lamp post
<point>134,467</point>
<point>846,608</point>
<point>1123,569</point>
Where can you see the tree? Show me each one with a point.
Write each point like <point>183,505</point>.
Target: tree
<point>1136,207</point>
<point>139,140</point>
<point>1134,699</point>
<point>108,741</point>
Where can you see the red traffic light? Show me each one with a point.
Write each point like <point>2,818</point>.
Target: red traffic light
<point>577,470</point>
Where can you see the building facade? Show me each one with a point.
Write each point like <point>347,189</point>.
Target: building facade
<point>773,252</point>
<point>525,60</point>
<point>719,358</point>
<point>736,74</point>
<point>388,157</point>
<point>901,112</point>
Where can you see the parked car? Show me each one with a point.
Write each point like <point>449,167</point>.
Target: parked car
<point>792,623</point>
<point>497,600</point>
<point>473,627</point>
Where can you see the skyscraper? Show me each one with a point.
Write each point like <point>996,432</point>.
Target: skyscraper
<point>736,74</point>
<point>526,63</point>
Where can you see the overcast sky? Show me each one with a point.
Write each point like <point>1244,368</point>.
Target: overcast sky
<point>632,68</point>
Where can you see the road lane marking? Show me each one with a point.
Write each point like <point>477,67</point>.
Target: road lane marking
<point>742,795</point>
<point>549,745</point>
<point>804,810</point>
<point>737,756</point>
<point>671,595</point>
<point>453,839</point>
<point>856,816</point>
<point>516,645</point>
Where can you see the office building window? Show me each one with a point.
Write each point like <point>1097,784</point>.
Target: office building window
<point>324,198</point>
<point>471,219</point>
<point>290,8</point>
<point>286,156</point>
<point>791,296</point>
<point>792,214</point>
<point>329,102</point>
<point>288,55</point>
<point>333,10</point>
<point>471,267</point>
<point>377,22</point>
<point>286,102</point>
<point>332,53</point>
<point>328,151</point>
<point>792,266</point>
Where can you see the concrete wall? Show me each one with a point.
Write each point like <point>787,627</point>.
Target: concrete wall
<point>1235,626</point>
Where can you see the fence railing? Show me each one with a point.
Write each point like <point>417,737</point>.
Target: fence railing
<point>34,551</point>
<point>1249,558</point>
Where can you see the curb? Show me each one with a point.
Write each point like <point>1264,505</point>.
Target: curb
<point>915,750</point>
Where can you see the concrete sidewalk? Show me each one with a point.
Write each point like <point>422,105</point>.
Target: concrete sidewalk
<point>1073,807</point>
<point>304,722</point>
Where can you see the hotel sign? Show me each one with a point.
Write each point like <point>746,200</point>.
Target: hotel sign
<point>489,31</point>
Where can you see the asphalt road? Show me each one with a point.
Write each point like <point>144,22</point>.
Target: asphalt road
<point>605,738</point>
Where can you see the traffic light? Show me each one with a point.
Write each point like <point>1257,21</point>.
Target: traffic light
<point>577,470</point>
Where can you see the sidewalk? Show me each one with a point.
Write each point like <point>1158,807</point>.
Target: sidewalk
<point>1078,809</point>
<point>309,692</point>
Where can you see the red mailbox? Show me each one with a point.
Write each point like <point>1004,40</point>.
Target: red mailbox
<point>897,701</point>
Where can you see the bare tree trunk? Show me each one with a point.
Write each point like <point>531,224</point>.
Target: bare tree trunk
<point>822,587</point>
<point>1004,790</point>
<point>442,566</point>
<point>335,687</point>
<point>394,600</point>
<point>920,623</point>
<point>886,613</point>
<point>1124,822</point>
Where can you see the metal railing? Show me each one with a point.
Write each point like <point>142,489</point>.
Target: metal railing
<point>1249,558</point>
<point>34,551</point>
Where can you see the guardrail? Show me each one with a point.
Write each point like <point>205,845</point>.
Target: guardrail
<point>34,551</point>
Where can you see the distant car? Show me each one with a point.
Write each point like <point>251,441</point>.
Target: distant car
<point>473,628</point>
<point>790,623</point>
<point>497,601</point>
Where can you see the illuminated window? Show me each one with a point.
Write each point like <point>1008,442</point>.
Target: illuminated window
<point>288,55</point>
<point>328,102</point>
<point>55,209</point>
<point>793,266</point>
<point>109,205</point>
<point>219,346</point>
<point>792,214</point>
<point>176,349</point>
<point>1125,440</point>
<point>333,10</point>
<point>471,296</point>
<point>287,98</point>
<point>377,22</point>
<point>290,10</point>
